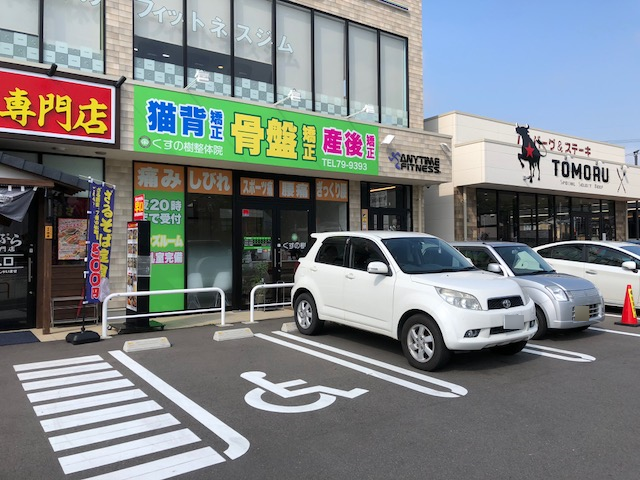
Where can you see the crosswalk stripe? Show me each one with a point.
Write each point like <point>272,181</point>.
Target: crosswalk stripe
<point>88,402</point>
<point>81,390</point>
<point>57,363</point>
<point>167,467</point>
<point>59,372</point>
<point>59,382</point>
<point>97,416</point>
<point>111,432</point>
<point>125,451</point>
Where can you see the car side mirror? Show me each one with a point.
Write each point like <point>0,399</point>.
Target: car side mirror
<point>495,268</point>
<point>629,265</point>
<point>379,268</point>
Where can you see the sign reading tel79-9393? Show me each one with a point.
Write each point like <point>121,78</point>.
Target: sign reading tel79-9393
<point>178,123</point>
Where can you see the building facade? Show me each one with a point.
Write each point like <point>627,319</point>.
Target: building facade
<point>520,183</point>
<point>236,128</point>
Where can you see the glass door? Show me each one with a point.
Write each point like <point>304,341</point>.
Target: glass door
<point>17,274</point>
<point>257,250</point>
<point>292,240</point>
<point>272,241</point>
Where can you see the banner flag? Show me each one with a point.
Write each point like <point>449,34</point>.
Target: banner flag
<point>99,236</point>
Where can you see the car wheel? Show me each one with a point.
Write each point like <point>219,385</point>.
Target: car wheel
<point>509,349</point>
<point>423,345</point>
<point>541,320</point>
<point>306,315</point>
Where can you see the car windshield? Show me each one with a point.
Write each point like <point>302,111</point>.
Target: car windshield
<point>426,255</point>
<point>635,249</point>
<point>523,260</point>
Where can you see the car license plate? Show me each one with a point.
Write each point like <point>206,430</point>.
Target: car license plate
<point>582,313</point>
<point>513,322</point>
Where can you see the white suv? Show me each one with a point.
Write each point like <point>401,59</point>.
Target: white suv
<point>413,287</point>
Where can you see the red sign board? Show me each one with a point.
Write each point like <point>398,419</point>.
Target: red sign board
<point>35,104</point>
<point>138,208</point>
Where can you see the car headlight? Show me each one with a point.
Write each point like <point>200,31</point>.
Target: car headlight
<point>559,293</point>
<point>459,299</point>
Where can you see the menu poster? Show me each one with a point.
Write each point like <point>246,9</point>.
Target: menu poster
<point>72,238</point>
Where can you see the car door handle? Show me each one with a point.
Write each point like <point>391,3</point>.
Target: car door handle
<point>313,269</point>
<point>591,272</point>
<point>350,276</point>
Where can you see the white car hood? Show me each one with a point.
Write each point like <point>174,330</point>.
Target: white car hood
<point>478,283</point>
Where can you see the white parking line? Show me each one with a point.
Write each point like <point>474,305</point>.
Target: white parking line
<point>167,467</point>
<point>54,378</point>
<point>111,432</point>
<point>455,391</point>
<point>614,331</point>
<point>238,445</point>
<point>566,355</point>
<point>127,450</point>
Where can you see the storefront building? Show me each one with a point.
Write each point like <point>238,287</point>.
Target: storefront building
<point>516,182</point>
<point>238,127</point>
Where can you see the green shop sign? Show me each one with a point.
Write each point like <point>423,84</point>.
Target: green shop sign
<point>188,125</point>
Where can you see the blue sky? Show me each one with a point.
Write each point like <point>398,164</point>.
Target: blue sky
<point>568,66</point>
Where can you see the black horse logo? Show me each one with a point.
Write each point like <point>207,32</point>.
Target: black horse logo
<point>530,152</point>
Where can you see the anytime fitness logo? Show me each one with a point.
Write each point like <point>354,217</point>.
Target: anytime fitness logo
<point>415,163</point>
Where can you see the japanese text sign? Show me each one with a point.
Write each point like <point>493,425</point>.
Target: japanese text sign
<point>35,104</point>
<point>179,123</point>
<point>99,237</point>
<point>332,190</point>
<point>208,180</point>
<point>164,207</point>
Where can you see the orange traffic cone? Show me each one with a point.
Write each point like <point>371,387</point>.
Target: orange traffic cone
<point>629,316</point>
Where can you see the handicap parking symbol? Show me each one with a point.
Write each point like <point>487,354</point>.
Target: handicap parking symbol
<point>327,394</point>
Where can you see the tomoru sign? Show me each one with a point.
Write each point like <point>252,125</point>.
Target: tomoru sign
<point>578,171</point>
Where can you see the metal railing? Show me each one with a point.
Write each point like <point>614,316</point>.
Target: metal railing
<point>105,314</point>
<point>265,286</point>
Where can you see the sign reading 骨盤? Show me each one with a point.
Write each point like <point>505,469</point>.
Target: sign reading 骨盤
<point>179,123</point>
<point>35,104</point>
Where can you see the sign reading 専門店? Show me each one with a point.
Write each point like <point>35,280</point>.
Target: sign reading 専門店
<point>179,123</point>
<point>35,104</point>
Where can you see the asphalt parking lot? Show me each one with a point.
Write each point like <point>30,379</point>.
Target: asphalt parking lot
<point>345,404</point>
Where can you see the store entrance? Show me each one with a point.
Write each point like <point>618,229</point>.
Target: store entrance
<point>18,273</point>
<point>273,237</point>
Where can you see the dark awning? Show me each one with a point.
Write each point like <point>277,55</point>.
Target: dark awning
<point>36,175</point>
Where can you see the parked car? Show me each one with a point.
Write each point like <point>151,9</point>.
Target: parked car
<point>562,301</point>
<point>611,266</point>
<point>412,287</point>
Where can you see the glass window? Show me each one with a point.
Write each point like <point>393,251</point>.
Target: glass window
<point>157,43</point>
<point>363,252</point>
<point>528,224</point>
<point>330,65</point>
<point>85,167</point>
<point>607,256</point>
<point>332,251</point>
<point>487,215</point>
<point>332,216</point>
<point>507,220</point>
<point>19,30</point>
<point>293,54</point>
<point>209,46</point>
<point>363,72</point>
<point>73,35</point>
<point>209,241</point>
<point>393,80</point>
<point>571,252</point>
<point>480,257</point>
<point>253,57</point>
<point>608,218</point>
<point>545,220</point>
<point>563,226</point>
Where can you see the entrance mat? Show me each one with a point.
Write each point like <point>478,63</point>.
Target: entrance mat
<point>15,338</point>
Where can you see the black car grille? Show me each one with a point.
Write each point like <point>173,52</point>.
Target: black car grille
<point>498,303</point>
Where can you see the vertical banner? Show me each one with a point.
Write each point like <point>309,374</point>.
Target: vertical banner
<point>99,235</point>
<point>163,189</point>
